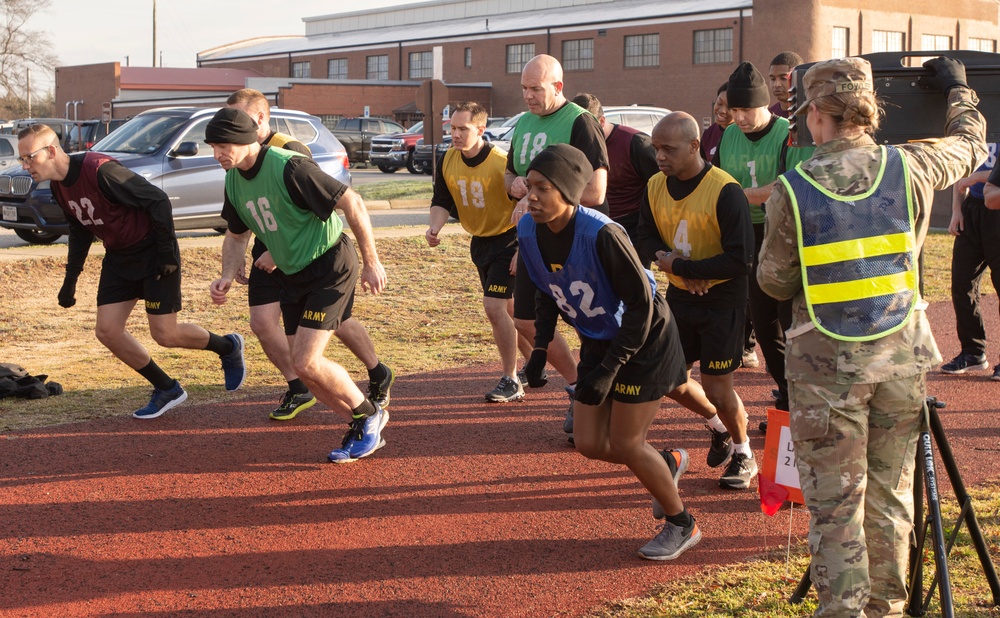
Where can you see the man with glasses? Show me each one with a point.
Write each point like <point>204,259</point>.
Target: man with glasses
<point>132,218</point>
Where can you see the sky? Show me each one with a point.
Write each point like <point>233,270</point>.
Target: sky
<point>86,32</point>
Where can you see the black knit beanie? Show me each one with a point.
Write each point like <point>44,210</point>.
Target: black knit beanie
<point>567,168</point>
<point>747,88</point>
<point>231,126</point>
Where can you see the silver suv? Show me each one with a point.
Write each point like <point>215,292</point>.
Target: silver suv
<point>166,146</point>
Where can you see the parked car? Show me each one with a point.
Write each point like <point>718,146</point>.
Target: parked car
<point>8,151</point>
<point>85,133</point>
<point>61,126</point>
<point>357,134</point>
<point>422,152</point>
<point>639,117</point>
<point>391,152</point>
<point>166,146</point>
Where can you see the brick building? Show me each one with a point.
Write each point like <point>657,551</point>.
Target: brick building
<point>670,53</point>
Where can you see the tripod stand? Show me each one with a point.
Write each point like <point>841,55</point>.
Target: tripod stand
<point>917,603</point>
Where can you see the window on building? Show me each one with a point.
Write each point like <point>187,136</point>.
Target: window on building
<point>886,41</point>
<point>642,50</point>
<point>713,46</point>
<point>377,67</point>
<point>421,65</point>
<point>301,69</point>
<point>934,42</point>
<point>983,45</point>
<point>468,56</point>
<point>578,55</point>
<point>336,68</point>
<point>518,56</point>
<point>840,42</point>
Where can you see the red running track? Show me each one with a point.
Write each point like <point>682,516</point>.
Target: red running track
<point>472,509</point>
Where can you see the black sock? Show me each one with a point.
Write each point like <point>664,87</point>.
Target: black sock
<point>364,410</point>
<point>379,373</point>
<point>219,344</point>
<point>682,519</point>
<point>297,387</point>
<point>157,377</point>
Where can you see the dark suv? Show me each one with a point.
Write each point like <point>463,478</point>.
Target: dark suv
<point>84,134</point>
<point>166,146</point>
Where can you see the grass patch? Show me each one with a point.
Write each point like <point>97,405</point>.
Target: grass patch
<point>760,588</point>
<point>396,190</point>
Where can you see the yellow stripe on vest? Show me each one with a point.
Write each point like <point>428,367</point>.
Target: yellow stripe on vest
<point>857,249</point>
<point>863,288</point>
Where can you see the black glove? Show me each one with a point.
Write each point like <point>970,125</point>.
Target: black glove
<point>948,73</point>
<point>593,388</point>
<point>535,367</point>
<point>166,264</point>
<point>67,293</point>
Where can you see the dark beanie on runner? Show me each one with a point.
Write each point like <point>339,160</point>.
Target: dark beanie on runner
<point>747,88</point>
<point>567,168</point>
<point>231,126</point>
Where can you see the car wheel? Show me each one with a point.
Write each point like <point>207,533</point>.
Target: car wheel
<point>37,237</point>
<point>387,169</point>
<point>413,166</point>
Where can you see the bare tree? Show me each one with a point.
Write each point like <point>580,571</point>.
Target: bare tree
<point>22,49</point>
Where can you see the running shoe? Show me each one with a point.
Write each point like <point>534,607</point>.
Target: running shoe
<point>739,472</point>
<point>677,460</point>
<point>996,374</point>
<point>965,362</point>
<point>750,360</point>
<point>161,401</point>
<point>378,392</point>
<point>233,367</point>
<point>291,404</point>
<point>671,542</point>
<point>568,421</point>
<point>506,390</point>
<point>721,449</point>
<point>363,437</point>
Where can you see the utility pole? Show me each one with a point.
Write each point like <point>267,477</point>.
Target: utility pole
<point>154,33</point>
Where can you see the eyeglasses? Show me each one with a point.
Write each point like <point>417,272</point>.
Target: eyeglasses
<point>28,158</point>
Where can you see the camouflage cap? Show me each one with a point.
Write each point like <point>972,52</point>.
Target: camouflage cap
<point>834,77</point>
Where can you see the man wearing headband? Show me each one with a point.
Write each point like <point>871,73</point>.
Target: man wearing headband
<point>585,268</point>
<point>103,198</point>
<point>285,198</point>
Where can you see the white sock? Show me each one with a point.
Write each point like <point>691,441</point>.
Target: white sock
<point>716,423</point>
<point>743,448</point>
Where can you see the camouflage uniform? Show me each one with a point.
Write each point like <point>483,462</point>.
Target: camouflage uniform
<point>855,406</point>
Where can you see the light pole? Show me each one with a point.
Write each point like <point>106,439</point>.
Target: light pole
<point>154,33</point>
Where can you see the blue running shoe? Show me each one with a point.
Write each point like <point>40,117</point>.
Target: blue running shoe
<point>161,401</point>
<point>362,439</point>
<point>233,367</point>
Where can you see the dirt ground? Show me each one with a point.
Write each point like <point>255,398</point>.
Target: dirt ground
<point>472,509</point>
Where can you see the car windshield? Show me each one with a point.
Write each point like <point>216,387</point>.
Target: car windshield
<point>417,128</point>
<point>143,134</point>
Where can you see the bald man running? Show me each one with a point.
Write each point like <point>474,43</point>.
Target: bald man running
<point>695,226</point>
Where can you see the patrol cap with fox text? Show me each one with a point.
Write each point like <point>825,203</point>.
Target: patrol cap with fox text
<point>842,75</point>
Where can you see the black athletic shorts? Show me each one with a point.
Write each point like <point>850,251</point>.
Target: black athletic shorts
<point>321,295</point>
<point>492,256</point>
<point>263,288</point>
<point>712,336</point>
<point>654,371</point>
<point>130,274</point>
